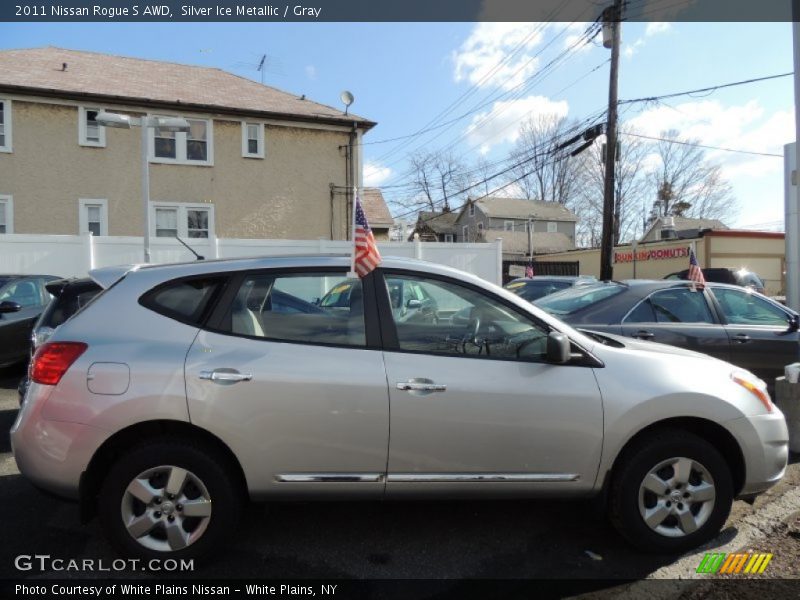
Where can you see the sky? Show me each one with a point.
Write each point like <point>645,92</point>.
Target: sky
<point>405,75</point>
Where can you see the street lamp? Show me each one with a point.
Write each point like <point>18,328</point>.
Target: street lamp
<point>178,124</point>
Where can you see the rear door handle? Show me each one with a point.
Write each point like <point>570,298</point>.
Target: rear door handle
<point>225,376</point>
<point>421,385</point>
<point>644,335</point>
<point>741,338</point>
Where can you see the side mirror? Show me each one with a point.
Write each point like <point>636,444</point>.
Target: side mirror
<point>558,348</point>
<point>794,322</point>
<point>413,304</point>
<point>7,306</point>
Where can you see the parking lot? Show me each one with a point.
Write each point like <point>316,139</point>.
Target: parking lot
<point>386,540</point>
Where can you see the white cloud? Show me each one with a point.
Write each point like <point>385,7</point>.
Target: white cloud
<point>738,127</point>
<point>478,60</point>
<point>375,174</point>
<point>311,72</point>
<point>652,29</point>
<point>501,123</point>
<point>656,27</point>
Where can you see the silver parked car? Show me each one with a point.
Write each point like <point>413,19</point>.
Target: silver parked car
<point>184,390</point>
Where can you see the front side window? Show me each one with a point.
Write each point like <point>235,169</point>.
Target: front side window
<point>285,308</point>
<point>677,305</point>
<point>91,133</point>
<point>252,140</point>
<point>185,147</point>
<point>744,308</point>
<point>26,293</point>
<point>444,318</point>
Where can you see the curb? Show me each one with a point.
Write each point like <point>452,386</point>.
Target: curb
<point>682,574</point>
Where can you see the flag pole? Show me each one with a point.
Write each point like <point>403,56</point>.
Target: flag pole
<point>352,272</point>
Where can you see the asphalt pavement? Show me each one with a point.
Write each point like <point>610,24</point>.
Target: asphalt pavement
<point>375,540</point>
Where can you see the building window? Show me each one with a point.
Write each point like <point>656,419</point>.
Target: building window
<point>465,233</point>
<point>194,147</point>
<point>252,140</point>
<point>471,209</point>
<point>90,132</point>
<point>508,225</point>
<point>93,216</point>
<point>6,214</point>
<point>448,237</point>
<point>172,219</point>
<point>480,227</point>
<point>5,125</point>
<point>552,227</point>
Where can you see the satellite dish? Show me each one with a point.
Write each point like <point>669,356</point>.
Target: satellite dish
<point>347,99</point>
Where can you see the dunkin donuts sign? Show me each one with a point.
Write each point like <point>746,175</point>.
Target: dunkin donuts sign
<point>657,254</point>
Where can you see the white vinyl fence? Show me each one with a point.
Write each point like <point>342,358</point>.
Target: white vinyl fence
<point>75,255</point>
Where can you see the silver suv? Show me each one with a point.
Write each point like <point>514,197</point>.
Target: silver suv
<point>184,390</point>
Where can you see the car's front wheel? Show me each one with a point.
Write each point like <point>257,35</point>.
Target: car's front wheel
<point>670,492</point>
<point>168,499</point>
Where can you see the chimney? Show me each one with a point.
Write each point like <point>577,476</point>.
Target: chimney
<point>668,229</point>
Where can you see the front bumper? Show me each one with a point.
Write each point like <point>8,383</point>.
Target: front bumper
<point>764,440</point>
<point>52,454</point>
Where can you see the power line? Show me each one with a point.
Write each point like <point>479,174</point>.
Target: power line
<point>707,89</point>
<point>683,143</point>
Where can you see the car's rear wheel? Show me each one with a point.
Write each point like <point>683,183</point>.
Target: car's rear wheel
<point>670,492</point>
<point>167,499</point>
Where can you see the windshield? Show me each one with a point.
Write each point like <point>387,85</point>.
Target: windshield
<point>338,297</point>
<point>569,301</point>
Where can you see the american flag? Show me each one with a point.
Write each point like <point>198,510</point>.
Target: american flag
<point>695,273</point>
<point>367,255</point>
<point>529,270</point>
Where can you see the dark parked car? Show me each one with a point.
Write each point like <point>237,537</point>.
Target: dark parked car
<point>538,286</point>
<point>69,295</point>
<point>741,277</point>
<point>22,299</point>
<point>729,322</point>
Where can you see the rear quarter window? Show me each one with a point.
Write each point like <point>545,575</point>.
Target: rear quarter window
<point>186,300</point>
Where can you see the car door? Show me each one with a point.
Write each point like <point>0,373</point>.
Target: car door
<point>300,396</point>
<point>15,327</point>
<point>679,316</point>
<point>475,408</point>
<point>761,339</point>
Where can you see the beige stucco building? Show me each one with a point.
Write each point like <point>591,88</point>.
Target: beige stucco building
<point>256,163</point>
<point>759,251</point>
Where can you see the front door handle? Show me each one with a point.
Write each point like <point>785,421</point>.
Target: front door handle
<point>741,338</point>
<point>644,335</point>
<point>421,385</point>
<point>225,376</point>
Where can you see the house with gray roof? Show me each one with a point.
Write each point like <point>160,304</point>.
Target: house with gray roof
<point>489,218</point>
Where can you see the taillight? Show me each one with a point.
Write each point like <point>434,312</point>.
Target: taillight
<point>53,359</point>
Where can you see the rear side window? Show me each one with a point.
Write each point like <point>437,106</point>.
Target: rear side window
<point>185,300</point>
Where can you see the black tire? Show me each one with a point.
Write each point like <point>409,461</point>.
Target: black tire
<point>204,464</point>
<point>637,461</point>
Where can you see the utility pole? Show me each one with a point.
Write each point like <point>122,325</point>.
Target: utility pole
<point>611,24</point>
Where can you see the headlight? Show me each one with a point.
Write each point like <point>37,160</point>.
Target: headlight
<point>754,385</point>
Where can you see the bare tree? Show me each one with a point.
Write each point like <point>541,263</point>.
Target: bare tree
<point>543,171</point>
<point>686,184</point>
<point>630,188</point>
<point>437,181</point>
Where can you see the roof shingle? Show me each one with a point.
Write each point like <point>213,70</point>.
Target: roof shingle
<point>137,80</point>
